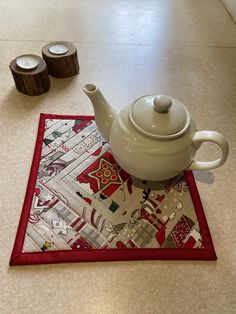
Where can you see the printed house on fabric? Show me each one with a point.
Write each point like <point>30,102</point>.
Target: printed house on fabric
<point>83,201</point>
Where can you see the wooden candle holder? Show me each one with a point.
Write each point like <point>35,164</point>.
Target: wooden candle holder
<point>31,77</point>
<point>61,59</point>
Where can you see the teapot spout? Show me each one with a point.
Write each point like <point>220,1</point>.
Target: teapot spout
<point>104,112</point>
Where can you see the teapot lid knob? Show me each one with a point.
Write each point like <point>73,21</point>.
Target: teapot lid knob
<point>162,103</point>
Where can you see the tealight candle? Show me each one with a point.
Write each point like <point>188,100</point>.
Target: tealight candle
<point>27,62</point>
<point>58,49</point>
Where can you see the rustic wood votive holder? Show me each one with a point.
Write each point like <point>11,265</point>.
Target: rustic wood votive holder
<point>61,58</point>
<point>30,74</point>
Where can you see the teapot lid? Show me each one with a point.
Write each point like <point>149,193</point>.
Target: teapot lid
<point>160,117</point>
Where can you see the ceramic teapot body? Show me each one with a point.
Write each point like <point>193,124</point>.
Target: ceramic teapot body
<point>152,140</point>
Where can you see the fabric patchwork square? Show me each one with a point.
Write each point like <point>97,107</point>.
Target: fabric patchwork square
<point>81,206</point>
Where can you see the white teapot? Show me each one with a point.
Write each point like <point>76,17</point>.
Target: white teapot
<point>154,138</point>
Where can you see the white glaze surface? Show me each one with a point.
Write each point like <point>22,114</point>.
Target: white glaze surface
<point>151,145</point>
<point>146,158</point>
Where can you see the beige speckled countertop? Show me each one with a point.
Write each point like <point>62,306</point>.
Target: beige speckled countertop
<point>186,49</point>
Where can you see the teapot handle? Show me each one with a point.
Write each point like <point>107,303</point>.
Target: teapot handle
<point>209,136</point>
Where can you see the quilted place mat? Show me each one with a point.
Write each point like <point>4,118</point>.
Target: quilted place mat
<point>81,206</point>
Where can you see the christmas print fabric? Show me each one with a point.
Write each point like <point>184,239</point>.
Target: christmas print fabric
<point>83,201</point>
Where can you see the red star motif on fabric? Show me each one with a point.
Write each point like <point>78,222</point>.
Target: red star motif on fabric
<point>106,173</point>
